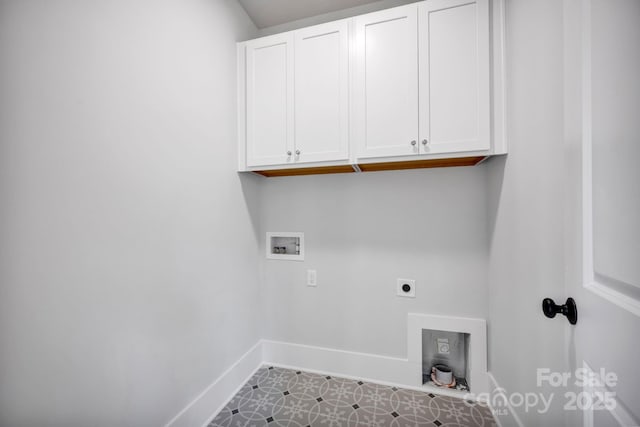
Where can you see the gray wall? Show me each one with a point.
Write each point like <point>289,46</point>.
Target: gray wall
<point>526,261</point>
<point>364,231</point>
<point>128,274</point>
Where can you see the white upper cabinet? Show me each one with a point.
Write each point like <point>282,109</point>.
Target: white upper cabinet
<point>269,103</point>
<point>423,79</point>
<point>454,76</point>
<point>386,82</point>
<point>402,87</point>
<point>297,96</point>
<point>322,93</point>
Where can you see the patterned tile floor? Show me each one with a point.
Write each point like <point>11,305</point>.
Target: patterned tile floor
<point>283,397</point>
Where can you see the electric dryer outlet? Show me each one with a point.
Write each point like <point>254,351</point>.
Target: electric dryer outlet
<point>406,288</point>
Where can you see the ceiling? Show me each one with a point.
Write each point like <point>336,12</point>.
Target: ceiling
<point>267,13</point>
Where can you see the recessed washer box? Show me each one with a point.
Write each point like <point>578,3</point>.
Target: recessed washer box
<point>285,245</point>
<point>467,352</point>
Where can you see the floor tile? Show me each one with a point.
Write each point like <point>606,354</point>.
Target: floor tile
<point>277,380</point>
<point>313,405</point>
<point>288,398</point>
<point>415,407</point>
<point>459,412</point>
<point>377,399</point>
<point>342,392</point>
<point>308,385</point>
<point>292,416</point>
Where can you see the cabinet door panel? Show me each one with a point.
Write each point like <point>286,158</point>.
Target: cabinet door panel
<point>321,92</point>
<point>454,75</point>
<point>386,97</point>
<point>269,100</point>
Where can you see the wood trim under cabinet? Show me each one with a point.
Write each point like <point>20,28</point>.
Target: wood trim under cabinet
<point>307,171</point>
<point>420,164</point>
<point>374,167</point>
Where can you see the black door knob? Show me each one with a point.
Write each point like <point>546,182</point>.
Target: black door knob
<point>568,309</point>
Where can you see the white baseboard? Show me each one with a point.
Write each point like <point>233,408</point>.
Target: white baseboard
<point>499,403</point>
<point>347,364</point>
<point>211,401</point>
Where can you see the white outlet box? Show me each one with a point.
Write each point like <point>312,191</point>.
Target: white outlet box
<point>285,245</point>
<point>311,278</point>
<point>443,345</point>
<point>406,288</point>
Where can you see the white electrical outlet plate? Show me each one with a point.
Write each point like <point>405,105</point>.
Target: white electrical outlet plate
<point>406,288</point>
<point>443,345</point>
<point>311,278</point>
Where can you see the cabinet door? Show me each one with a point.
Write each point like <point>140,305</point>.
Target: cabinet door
<point>270,100</point>
<point>454,76</point>
<point>321,93</point>
<point>386,82</point>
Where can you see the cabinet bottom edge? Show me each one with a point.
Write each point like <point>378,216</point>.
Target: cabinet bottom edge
<point>374,167</point>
